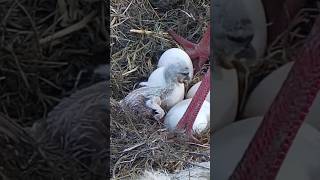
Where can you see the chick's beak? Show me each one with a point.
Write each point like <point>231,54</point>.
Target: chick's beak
<point>186,80</point>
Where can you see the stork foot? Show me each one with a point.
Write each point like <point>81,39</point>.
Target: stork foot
<point>199,53</point>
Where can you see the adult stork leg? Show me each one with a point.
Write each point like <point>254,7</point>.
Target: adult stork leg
<point>199,54</point>
<point>268,148</point>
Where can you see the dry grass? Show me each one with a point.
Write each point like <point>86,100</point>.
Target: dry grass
<point>281,51</point>
<point>138,37</point>
<point>134,55</point>
<point>285,47</point>
<point>44,46</point>
<point>139,144</point>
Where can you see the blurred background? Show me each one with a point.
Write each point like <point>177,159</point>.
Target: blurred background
<point>50,50</point>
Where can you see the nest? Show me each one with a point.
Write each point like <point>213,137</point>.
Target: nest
<point>286,46</point>
<point>45,48</point>
<point>138,38</point>
<point>144,144</point>
<point>35,161</point>
<point>45,45</point>
<point>134,55</point>
<point>48,50</point>
<point>283,49</point>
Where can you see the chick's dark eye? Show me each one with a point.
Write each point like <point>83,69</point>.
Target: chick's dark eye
<point>185,74</point>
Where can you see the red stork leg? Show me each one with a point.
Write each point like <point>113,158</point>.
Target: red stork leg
<point>199,54</point>
<point>194,107</point>
<point>268,148</point>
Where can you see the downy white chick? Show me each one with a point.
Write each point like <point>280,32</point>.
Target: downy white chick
<point>151,100</point>
<point>157,77</point>
<point>232,33</point>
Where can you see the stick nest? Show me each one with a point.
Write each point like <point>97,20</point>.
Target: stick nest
<point>45,45</point>
<point>138,38</point>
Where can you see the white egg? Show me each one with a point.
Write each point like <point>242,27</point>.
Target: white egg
<point>202,122</point>
<point>257,15</point>
<point>224,97</point>
<point>301,162</point>
<point>192,91</point>
<point>264,94</point>
<point>175,55</point>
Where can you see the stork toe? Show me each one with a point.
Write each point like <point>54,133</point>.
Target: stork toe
<point>199,53</point>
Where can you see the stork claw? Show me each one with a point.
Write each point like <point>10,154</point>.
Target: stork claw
<point>199,53</point>
<point>193,139</point>
<point>186,135</point>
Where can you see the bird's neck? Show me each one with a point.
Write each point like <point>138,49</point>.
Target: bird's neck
<point>170,78</point>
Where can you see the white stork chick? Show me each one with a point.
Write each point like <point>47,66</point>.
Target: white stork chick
<point>202,122</point>
<point>151,100</point>
<point>157,77</point>
<point>176,55</point>
<point>256,14</point>
<point>240,31</point>
<point>170,56</point>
